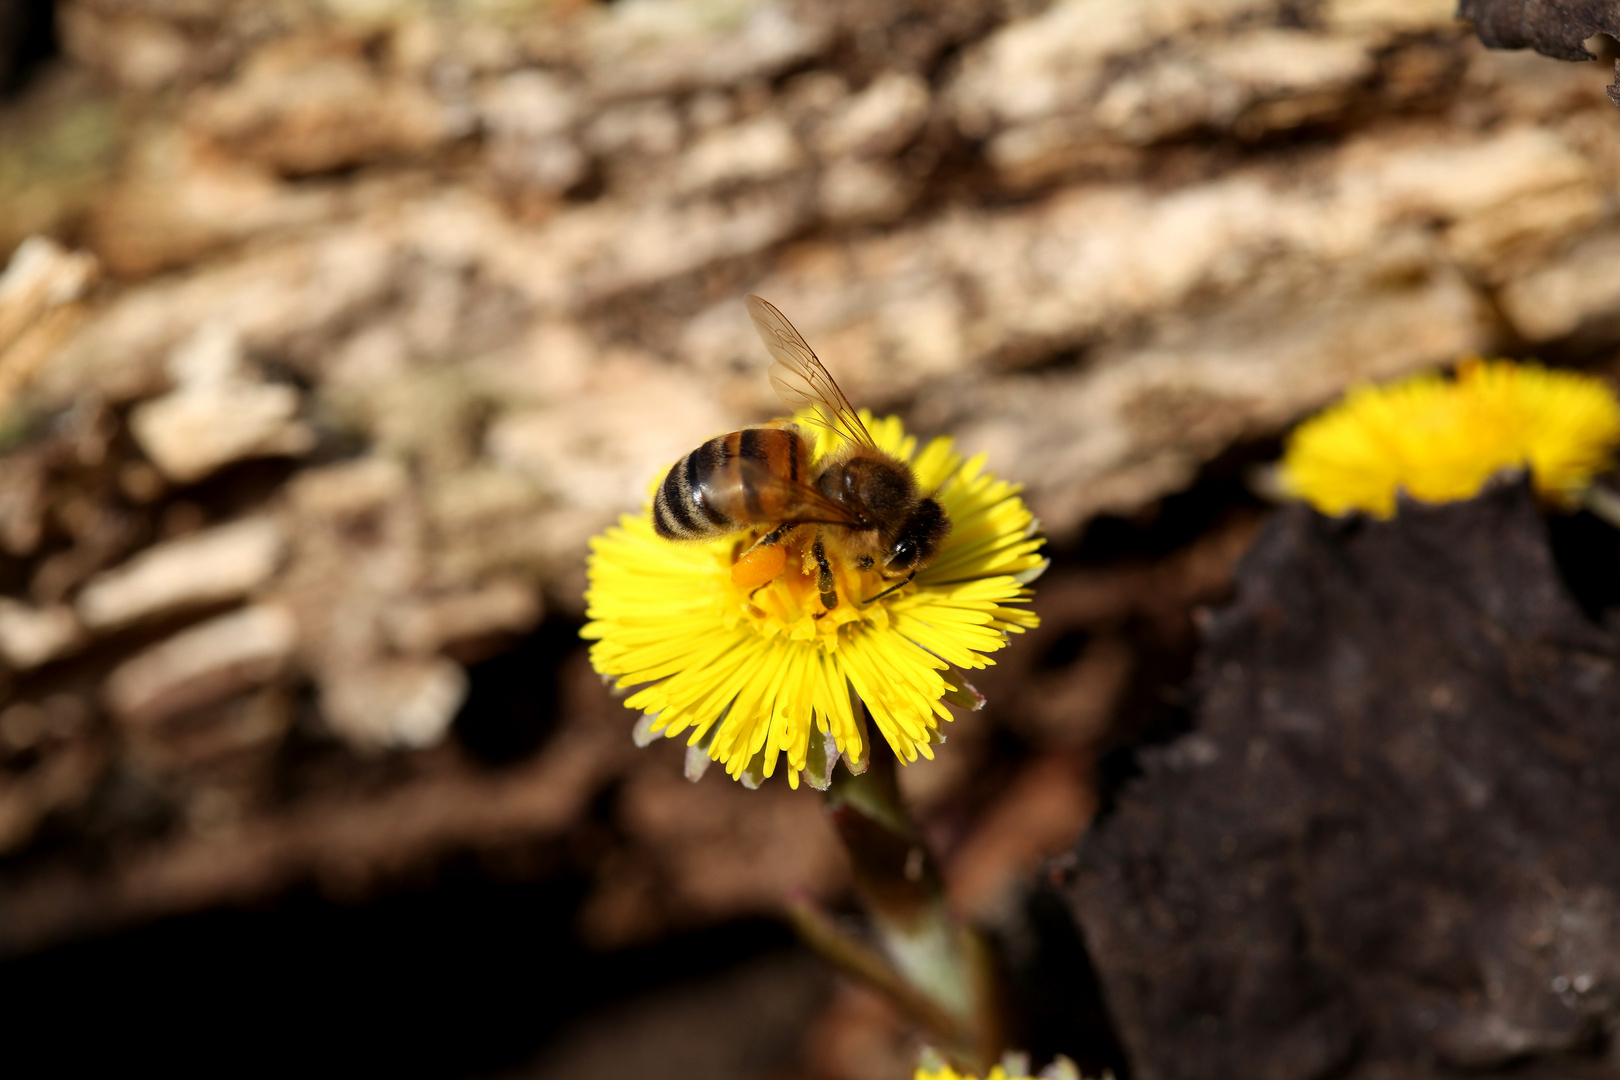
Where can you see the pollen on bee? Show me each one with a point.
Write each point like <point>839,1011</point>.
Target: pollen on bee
<point>755,568</point>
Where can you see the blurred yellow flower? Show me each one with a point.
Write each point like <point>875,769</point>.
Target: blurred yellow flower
<point>1440,440</point>
<point>945,1072</point>
<point>1013,1067</point>
<point>749,676</point>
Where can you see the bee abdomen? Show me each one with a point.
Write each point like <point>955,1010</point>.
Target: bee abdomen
<point>685,507</point>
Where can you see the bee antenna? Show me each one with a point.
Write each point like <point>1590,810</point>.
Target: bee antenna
<point>890,589</point>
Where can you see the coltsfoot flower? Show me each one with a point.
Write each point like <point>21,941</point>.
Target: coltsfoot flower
<point>945,1072</point>
<point>750,674</point>
<point>1439,439</point>
<point>1012,1067</point>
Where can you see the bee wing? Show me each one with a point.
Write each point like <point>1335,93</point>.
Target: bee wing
<point>800,379</point>
<point>787,500</point>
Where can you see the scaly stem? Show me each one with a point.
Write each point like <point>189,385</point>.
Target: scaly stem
<point>856,959</point>
<point>938,957</point>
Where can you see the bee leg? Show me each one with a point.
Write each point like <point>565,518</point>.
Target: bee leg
<point>824,580</point>
<point>774,536</point>
<point>891,589</point>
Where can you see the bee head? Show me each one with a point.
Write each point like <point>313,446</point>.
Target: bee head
<point>918,540</point>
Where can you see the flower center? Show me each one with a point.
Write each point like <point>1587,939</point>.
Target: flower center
<point>776,589</point>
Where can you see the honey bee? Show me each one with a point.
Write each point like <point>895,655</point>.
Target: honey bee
<point>864,504</point>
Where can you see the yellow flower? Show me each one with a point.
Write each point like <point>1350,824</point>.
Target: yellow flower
<point>1440,440</point>
<point>748,677</point>
<point>1012,1067</point>
<point>945,1072</point>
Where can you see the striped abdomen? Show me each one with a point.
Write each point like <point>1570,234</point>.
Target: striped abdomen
<point>718,489</point>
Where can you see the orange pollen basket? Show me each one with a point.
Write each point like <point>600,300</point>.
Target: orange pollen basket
<point>755,568</point>
<point>777,586</point>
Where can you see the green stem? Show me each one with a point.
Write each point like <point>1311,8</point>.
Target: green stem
<point>899,884</point>
<point>853,958</point>
<point>1603,502</point>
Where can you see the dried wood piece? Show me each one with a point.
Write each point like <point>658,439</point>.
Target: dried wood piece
<point>1556,28</point>
<point>1388,839</point>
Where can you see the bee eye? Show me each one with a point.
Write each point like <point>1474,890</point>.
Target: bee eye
<point>902,552</point>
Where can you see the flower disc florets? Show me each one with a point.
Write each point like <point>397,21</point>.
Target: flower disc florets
<point>751,673</point>
<point>1439,440</point>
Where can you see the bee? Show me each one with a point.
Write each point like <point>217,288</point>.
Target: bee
<point>864,504</point>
